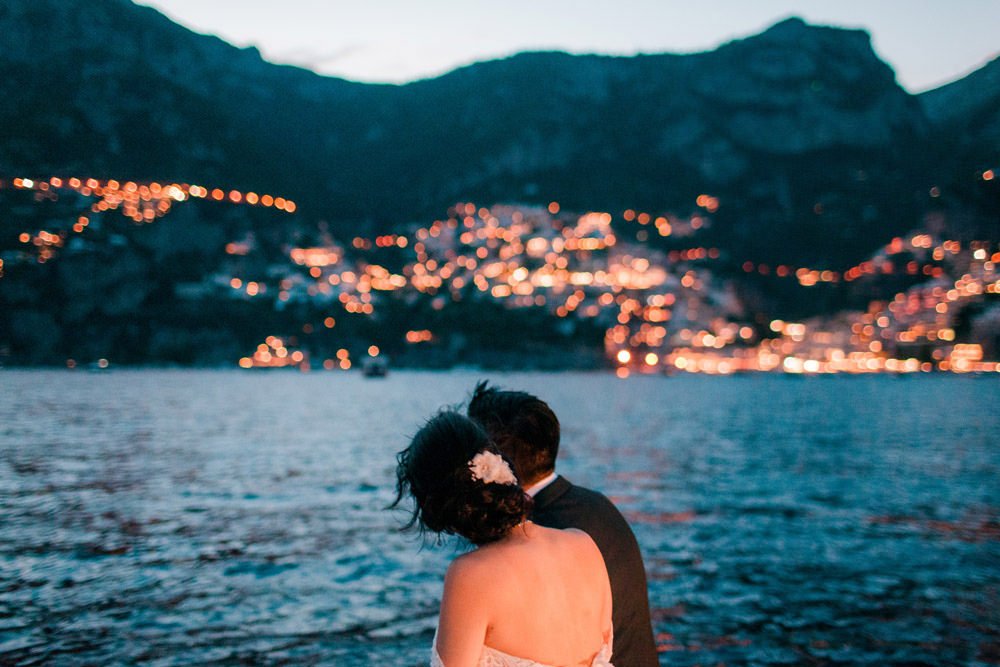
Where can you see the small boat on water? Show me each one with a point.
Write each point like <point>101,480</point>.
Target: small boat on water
<point>375,367</point>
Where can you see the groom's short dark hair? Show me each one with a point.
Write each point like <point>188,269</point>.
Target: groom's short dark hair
<point>522,426</point>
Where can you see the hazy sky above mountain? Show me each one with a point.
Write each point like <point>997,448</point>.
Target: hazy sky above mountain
<point>927,42</point>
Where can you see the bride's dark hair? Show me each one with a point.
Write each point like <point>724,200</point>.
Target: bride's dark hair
<point>434,469</point>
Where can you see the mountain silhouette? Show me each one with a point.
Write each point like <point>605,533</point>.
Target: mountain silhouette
<point>777,125</point>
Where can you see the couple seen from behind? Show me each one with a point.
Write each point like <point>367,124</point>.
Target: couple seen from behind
<point>557,579</point>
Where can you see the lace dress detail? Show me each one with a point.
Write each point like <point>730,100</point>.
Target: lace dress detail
<point>490,657</point>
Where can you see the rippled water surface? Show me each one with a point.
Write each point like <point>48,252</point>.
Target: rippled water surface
<point>183,517</point>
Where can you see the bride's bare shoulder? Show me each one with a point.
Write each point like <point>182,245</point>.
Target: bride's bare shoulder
<point>465,563</point>
<point>467,579</point>
<point>576,531</point>
<point>478,577</point>
<point>473,564</point>
<point>581,538</point>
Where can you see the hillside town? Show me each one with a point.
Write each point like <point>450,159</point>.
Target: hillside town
<point>662,311</point>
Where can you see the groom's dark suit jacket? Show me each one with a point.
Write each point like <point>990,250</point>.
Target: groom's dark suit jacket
<point>564,505</point>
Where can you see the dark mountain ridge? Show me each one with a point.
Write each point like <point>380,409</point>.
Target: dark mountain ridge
<point>774,124</point>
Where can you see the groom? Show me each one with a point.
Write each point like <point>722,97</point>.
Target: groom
<point>527,431</point>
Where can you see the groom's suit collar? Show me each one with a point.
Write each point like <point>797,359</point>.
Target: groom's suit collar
<point>552,492</point>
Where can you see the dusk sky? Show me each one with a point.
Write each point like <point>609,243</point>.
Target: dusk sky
<point>927,42</point>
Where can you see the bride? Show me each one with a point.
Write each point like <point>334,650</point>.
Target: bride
<point>527,596</point>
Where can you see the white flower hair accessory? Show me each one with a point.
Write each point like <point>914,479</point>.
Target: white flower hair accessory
<point>488,467</point>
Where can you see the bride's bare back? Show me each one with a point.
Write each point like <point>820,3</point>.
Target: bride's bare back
<point>540,593</point>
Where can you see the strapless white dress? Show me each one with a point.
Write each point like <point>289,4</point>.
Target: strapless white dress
<point>490,657</point>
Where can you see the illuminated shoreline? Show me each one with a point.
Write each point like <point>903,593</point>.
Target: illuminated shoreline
<point>663,311</point>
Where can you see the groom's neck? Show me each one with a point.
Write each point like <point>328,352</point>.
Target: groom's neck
<point>533,489</point>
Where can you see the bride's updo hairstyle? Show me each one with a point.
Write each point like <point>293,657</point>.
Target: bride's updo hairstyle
<point>460,482</point>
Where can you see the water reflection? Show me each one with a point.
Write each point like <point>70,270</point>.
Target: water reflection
<point>198,517</point>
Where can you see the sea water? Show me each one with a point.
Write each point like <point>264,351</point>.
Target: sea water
<point>175,517</point>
